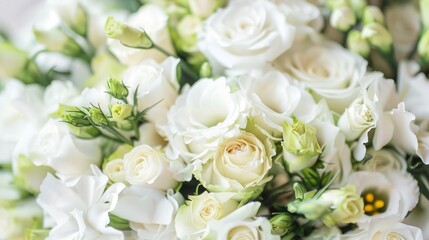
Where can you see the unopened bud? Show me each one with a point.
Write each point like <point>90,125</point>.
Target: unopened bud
<point>117,89</point>
<point>84,132</point>
<point>378,36</point>
<point>334,4</point>
<point>98,117</point>
<point>12,60</point>
<point>281,224</point>
<point>127,35</point>
<point>372,14</point>
<point>356,43</point>
<point>206,70</point>
<point>343,18</point>
<point>423,48</point>
<point>73,14</point>
<point>57,41</point>
<point>358,7</point>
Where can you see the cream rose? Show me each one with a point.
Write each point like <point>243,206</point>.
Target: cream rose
<point>194,216</point>
<point>145,166</point>
<point>273,100</point>
<point>329,70</point>
<point>245,34</point>
<point>201,118</point>
<point>385,161</point>
<point>241,224</point>
<point>153,20</point>
<point>240,163</point>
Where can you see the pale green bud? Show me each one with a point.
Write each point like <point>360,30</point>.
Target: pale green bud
<point>204,8</point>
<point>206,70</point>
<point>334,4</point>
<point>358,6</point>
<point>127,35</point>
<point>343,18</point>
<point>378,36</point>
<point>187,30</point>
<point>84,132</point>
<point>117,89</point>
<point>98,117</point>
<point>73,14</point>
<point>57,41</point>
<point>347,205</point>
<point>73,116</point>
<point>300,146</point>
<point>121,112</point>
<point>312,209</point>
<point>356,43</point>
<point>423,47</point>
<point>281,224</point>
<point>424,13</point>
<point>12,60</point>
<point>372,14</point>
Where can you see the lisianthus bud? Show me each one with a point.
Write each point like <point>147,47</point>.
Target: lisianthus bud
<point>187,30</point>
<point>311,208</point>
<point>12,60</point>
<point>356,43</point>
<point>347,205</point>
<point>206,70</point>
<point>423,47</point>
<point>334,4</point>
<point>98,117</point>
<point>120,112</point>
<point>372,14</point>
<point>117,89</point>
<point>57,41</point>
<point>73,116</point>
<point>73,15</point>
<point>281,223</point>
<point>343,18</point>
<point>358,6</point>
<point>127,35</point>
<point>300,146</point>
<point>378,36</point>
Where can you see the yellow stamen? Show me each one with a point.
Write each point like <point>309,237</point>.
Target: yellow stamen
<point>368,208</point>
<point>369,197</point>
<point>379,204</point>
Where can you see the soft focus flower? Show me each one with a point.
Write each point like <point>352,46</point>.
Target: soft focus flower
<point>241,223</point>
<point>245,34</point>
<point>148,167</point>
<point>330,71</point>
<point>240,163</point>
<point>194,216</point>
<point>82,211</point>
<point>202,117</point>
<point>343,18</point>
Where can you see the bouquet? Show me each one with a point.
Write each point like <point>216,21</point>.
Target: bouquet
<point>216,119</point>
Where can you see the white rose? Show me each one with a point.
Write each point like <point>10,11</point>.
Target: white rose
<point>154,83</point>
<point>198,122</point>
<point>152,226</point>
<point>153,20</point>
<point>241,224</point>
<point>245,34</point>
<point>274,100</point>
<point>389,195</point>
<point>22,112</point>
<point>56,147</point>
<point>385,161</point>
<point>147,167</point>
<point>84,206</point>
<point>329,70</point>
<point>240,163</point>
<point>382,231</point>
<point>194,216</point>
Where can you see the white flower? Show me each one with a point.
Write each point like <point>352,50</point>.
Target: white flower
<point>150,136</point>
<point>245,35</point>
<point>114,169</point>
<point>305,16</point>
<point>386,230</point>
<point>240,163</point>
<point>59,92</point>
<point>194,216</point>
<point>389,195</point>
<point>148,167</point>
<point>56,147</point>
<point>241,224</point>
<point>418,217</point>
<point>385,161</point>
<point>151,212</point>
<point>22,112</point>
<point>198,122</point>
<point>274,100</point>
<point>154,83</point>
<point>153,20</point>
<point>79,208</point>
<point>14,221</point>
<point>332,72</point>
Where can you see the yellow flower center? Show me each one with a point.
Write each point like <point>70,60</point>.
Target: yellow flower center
<point>374,203</point>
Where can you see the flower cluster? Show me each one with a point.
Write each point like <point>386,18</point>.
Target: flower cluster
<point>217,119</point>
